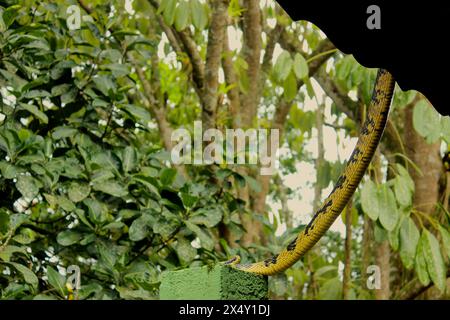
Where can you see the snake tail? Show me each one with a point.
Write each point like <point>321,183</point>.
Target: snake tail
<point>356,166</point>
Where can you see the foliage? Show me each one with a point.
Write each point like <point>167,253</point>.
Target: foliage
<point>85,179</point>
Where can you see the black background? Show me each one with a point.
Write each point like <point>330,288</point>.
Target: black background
<point>165,310</point>
<point>413,43</point>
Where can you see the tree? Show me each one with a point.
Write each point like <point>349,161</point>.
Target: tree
<point>87,115</point>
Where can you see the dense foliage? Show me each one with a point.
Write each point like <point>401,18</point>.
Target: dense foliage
<point>86,178</point>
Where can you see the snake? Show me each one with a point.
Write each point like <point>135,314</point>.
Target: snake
<point>369,138</point>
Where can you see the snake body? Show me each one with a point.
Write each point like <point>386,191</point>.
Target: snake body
<point>369,139</point>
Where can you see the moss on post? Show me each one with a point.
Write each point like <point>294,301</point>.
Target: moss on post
<point>218,283</point>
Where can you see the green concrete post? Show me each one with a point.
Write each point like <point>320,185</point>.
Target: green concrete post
<point>218,283</point>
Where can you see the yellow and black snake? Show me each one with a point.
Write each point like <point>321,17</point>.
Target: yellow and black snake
<point>369,138</point>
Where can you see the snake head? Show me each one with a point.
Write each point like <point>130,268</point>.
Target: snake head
<point>233,261</point>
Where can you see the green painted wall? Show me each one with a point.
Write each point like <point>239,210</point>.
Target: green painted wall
<point>219,283</point>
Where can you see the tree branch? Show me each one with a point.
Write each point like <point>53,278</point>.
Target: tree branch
<point>213,58</point>
<point>282,112</point>
<point>272,40</point>
<point>182,40</point>
<point>284,106</point>
<point>342,101</point>
<point>231,79</point>
<point>346,281</point>
<point>198,67</point>
<point>252,54</point>
<point>414,289</point>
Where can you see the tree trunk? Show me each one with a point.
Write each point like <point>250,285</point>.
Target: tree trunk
<point>320,158</point>
<point>367,253</point>
<point>383,252</point>
<point>427,158</point>
<point>346,282</point>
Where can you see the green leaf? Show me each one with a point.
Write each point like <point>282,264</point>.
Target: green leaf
<point>209,216</point>
<point>403,194</point>
<point>105,161</point>
<point>406,177</point>
<point>199,15</point>
<point>78,191</point>
<point>56,280</point>
<point>319,273</point>
<point>108,257</point>
<point>139,294</point>
<point>148,182</point>
<point>331,290</point>
<point>138,112</point>
<point>3,27</point>
<point>344,67</point>
<point>16,220</point>
<point>35,112</point>
<point>301,68</point>
<point>389,213</point>
<point>253,184</point>
<point>101,175</point>
<point>283,66</point>
<point>111,187</point>
<point>169,11</point>
<point>409,237</point>
<point>182,14</point>
<point>426,121</point>
<point>185,251</point>
<point>240,180</point>
<point>368,85</point>
<point>61,89</point>
<point>68,238</point>
<point>168,176</point>
<point>63,132</point>
<point>26,236</point>
<point>117,69</point>
<point>7,252</point>
<point>129,159</point>
<point>380,234</point>
<point>27,274</point>
<point>14,80</point>
<point>420,263</point>
<point>394,235</point>
<point>105,84</point>
<point>309,88</point>
<point>8,171</point>
<point>140,228</point>
<point>162,6</point>
<point>164,227</point>
<point>206,240</point>
<point>445,239</point>
<point>98,212</point>
<point>290,87</point>
<point>82,216</point>
<point>10,14</point>
<point>42,297</point>
<point>65,204</point>
<point>435,262</point>
<point>369,201</point>
<point>28,186</point>
<point>188,200</point>
<point>87,290</point>
<point>445,127</point>
<point>37,94</point>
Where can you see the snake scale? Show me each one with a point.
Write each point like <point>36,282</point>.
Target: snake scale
<point>369,138</point>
